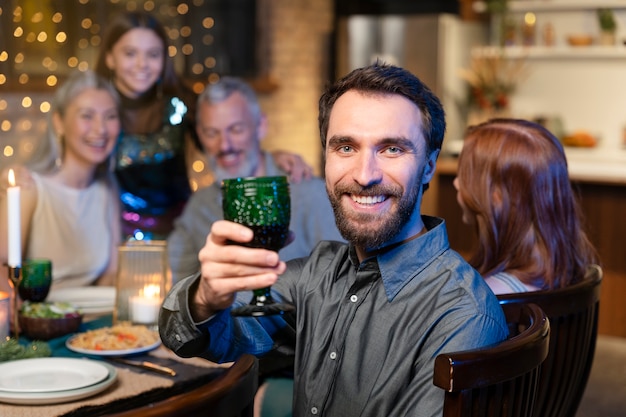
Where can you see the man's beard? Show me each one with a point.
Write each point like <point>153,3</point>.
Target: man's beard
<point>247,168</point>
<point>358,228</point>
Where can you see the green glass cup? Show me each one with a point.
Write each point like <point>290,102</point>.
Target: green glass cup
<point>36,280</point>
<point>263,204</point>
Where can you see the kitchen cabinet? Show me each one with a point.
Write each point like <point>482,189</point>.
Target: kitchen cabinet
<point>603,203</point>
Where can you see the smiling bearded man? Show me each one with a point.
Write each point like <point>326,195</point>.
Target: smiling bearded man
<point>372,314</point>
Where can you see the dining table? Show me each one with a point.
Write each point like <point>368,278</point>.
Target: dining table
<point>133,386</point>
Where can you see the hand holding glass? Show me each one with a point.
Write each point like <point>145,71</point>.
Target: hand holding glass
<point>262,204</point>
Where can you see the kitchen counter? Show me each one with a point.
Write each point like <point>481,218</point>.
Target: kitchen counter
<point>607,166</point>
<point>597,165</point>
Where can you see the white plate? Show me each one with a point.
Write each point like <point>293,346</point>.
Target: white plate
<point>124,352</point>
<point>50,374</point>
<point>90,300</point>
<point>55,397</point>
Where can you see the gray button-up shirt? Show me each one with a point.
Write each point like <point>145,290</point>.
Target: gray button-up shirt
<point>366,334</point>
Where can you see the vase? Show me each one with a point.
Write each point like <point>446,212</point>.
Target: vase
<point>607,38</point>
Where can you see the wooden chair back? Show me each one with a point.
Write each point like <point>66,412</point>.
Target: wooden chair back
<point>229,395</point>
<point>573,315</point>
<point>499,380</point>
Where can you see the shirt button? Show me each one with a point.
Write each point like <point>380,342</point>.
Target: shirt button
<point>178,337</point>
<point>333,355</point>
<point>314,410</point>
<point>354,298</point>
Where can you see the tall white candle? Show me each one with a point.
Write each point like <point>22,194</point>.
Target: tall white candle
<point>13,216</point>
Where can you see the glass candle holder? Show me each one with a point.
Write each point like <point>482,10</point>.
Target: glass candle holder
<point>142,281</point>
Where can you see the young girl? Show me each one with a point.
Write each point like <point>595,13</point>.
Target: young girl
<point>157,124</point>
<point>70,213</point>
<point>512,184</point>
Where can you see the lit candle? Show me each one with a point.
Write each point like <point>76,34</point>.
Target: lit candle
<point>144,308</point>
<point>13,216</point>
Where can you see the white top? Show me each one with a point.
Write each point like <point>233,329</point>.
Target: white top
<point>72,227</point>
<point>505,283</point>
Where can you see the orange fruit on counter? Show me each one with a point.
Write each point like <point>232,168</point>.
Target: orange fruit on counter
<point>580,138</point>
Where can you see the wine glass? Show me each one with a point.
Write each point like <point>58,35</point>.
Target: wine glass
<point>262,204</point>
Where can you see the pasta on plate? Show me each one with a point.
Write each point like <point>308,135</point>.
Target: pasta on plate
<point>122,336</point>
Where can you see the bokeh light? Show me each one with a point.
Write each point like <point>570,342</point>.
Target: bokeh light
<point>46,43</point>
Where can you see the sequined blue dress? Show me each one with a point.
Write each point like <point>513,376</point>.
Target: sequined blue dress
<point>150,165</point>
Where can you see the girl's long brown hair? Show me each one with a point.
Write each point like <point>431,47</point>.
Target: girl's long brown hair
<point>513,178</point>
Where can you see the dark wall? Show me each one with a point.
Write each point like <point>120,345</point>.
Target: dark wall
<point>233,37</point>
<point>348,7</point>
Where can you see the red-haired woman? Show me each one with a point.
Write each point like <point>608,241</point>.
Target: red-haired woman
<point>513,186</point>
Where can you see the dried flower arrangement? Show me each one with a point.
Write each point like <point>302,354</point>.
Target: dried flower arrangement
<point>492,79</point>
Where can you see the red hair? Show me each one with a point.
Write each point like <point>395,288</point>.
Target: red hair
<point>513,178</point>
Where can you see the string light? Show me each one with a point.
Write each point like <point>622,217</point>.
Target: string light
<point>47,44</point>
<point>54,28</point>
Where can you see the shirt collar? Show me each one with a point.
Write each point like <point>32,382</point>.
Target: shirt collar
<point>399,265</point>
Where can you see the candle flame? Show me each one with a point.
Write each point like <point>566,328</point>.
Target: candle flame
<point>11,178</point>
<point>151,291</point>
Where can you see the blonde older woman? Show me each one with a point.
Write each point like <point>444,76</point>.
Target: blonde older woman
<point>70,213</point>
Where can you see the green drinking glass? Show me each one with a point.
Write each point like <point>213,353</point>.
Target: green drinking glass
<point>36,280</point>
<point>263,204</point>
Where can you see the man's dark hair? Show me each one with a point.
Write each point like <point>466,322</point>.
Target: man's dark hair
<point>381,78</point>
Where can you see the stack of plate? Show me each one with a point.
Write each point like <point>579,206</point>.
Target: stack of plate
<point>90,300</point>
<point>53,380</point>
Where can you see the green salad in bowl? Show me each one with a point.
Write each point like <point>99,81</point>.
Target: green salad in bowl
<point>44,321</point>
<point>54,310</point>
